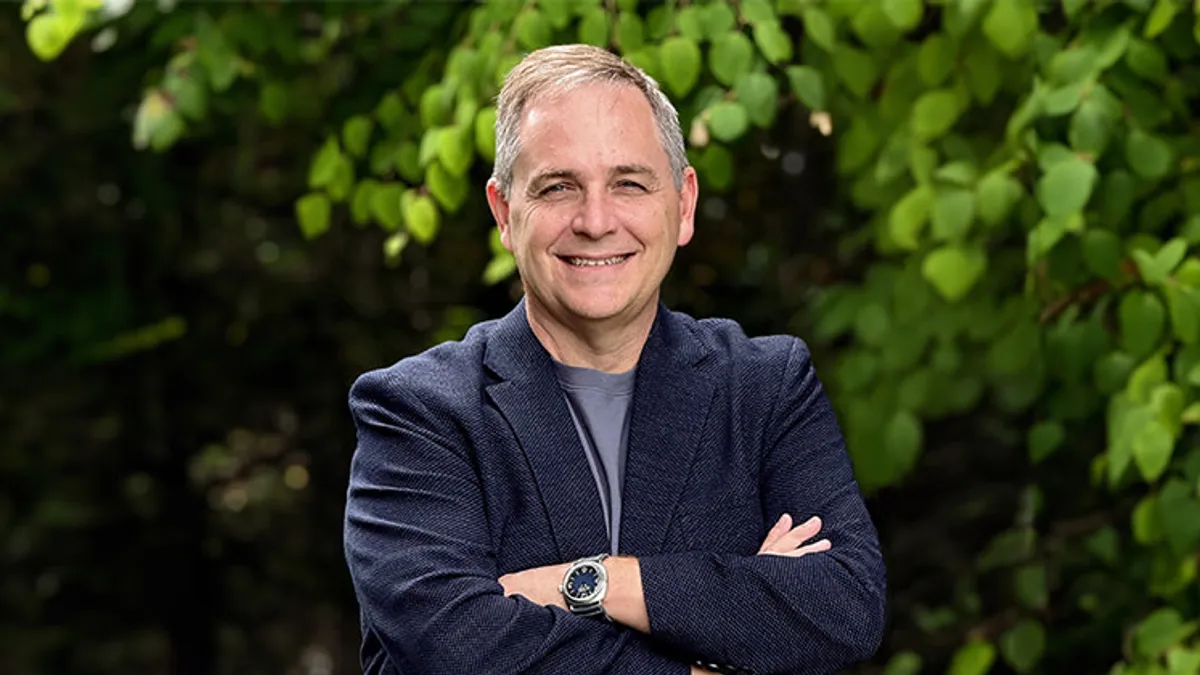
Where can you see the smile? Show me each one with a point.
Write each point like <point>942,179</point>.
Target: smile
<point>596,262</point>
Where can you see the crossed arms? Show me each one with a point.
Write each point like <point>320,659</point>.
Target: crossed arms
<point>426,578</point>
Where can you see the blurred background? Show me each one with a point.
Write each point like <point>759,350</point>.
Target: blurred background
<point>215,215</point>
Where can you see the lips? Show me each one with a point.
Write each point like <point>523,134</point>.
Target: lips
<point>593,261</point>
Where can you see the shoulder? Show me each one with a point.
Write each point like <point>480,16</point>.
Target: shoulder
<point>725,340</point>
<point>442,376</point>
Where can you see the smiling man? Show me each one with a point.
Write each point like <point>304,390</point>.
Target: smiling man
<point>595,483</point>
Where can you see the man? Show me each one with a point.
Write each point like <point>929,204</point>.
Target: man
<point>494,475</point>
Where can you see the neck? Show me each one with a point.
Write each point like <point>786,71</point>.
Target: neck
<point>611,346</point>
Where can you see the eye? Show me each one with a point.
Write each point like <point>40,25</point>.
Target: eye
<point>553,189</point>
<point>633,185</point>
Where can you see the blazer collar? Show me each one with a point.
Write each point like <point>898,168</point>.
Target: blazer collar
<point>671,398</point>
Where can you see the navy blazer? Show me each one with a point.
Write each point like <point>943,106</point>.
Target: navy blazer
<point>468,467</point>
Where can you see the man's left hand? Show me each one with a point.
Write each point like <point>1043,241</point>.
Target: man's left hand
<point>537,584</point>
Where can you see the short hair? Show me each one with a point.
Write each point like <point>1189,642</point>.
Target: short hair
<point>558,69</point>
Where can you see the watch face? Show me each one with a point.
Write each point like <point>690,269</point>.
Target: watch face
<point>583,582</point>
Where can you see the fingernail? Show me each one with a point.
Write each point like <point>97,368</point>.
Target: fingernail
<point>813,521</point>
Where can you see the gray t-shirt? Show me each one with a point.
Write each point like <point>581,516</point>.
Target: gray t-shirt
<point>599,404</point>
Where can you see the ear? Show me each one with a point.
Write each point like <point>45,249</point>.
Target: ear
<point>689,192</point>
<point>501,212</point>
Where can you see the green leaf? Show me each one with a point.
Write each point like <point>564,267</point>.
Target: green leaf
<point>1182,661</point>
<point>983,71</point>
<point>996,195</point>
<point>1183,303</point>
<point>1156,268</point>
<point>904,663</point>
<point>1010,25</point>
<point>1044,438</point>
<point>1103,544</point>
<point>809,86</point>
<point>557,12</point>
<point>356,134</point>
<point>718,19</point>
<point>934,113</point>
<point>421,218</point>
<point>360,202</point>
<point>952,214</point>
<point>728,120</point>
<point>1091,128</point>
<point>1023,645</point>
<point>533,30</point>
<point>385,206</point>
<point>903,437</point>
<point>717,163</point>
<point>324,167</point>
<point>757,11</point>
<point>1179,513</point>
<point>1147,60</point>
<point>499,268</point>
<point>1030,581</point>
<point>909,215</point>
<point>631,32</point>
<point>954,269</point>
<point>1102,253</point>
<point>313,211</point>
<point>904,14</point>
<point>1066,187</point>
<point>935,59</point>
<point>456,149</point>
<point>436,106</point>
<point>1162,629</point>
<point>156,124</point>
<point>730,57</point>
<point>485,134</point>
<point>594,28</point>
<point>819,28</point>
<point>1160,17</point>
<point>774,42</point>
<point>855,68</point>
<point>689,21</point>
<point>759,93</point>
<point>1148,156</point>
<point>1117,197</point>
<point>408,162</point>
<point>220,61</point>
<point>973,658</point>
<point>449,190</point>
<point>681,64</point>
<point>1142,318</point>
<point>394,246</point>
<point>49,33</point>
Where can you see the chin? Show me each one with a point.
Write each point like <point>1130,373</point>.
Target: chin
<point>596,309</point>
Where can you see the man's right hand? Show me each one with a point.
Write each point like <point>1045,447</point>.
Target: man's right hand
<point>783,539</point>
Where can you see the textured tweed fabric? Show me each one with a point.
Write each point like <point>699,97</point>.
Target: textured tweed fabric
<point>469,467</point>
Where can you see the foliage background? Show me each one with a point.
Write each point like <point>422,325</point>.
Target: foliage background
<point>980,213</point>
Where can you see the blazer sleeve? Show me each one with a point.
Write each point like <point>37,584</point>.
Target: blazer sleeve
<point>816,614</point>
<point>418,550</point>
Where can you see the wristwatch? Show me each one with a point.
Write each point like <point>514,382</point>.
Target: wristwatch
<point>584,586</point>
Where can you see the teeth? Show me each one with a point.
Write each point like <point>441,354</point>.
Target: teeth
<point>585,262</point>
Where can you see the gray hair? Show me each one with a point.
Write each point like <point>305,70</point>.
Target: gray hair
<point>555,70</point>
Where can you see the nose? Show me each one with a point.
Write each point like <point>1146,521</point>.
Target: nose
<point>595,217</point>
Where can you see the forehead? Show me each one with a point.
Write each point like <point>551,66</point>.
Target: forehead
<point>589,124</point>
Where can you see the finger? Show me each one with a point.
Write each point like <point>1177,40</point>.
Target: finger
<point>781,527</point>
<point>798,535</point>
<point>815,547</point>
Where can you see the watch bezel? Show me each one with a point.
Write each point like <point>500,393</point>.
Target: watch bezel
<point>596,593</point>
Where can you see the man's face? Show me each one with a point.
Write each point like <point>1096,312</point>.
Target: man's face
<point>594,217</point>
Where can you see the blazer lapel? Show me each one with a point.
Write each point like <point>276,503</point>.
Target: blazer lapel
<point>532,401</point>
<point>670,405</point>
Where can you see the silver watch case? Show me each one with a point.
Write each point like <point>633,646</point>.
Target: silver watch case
<point>592,603</point>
